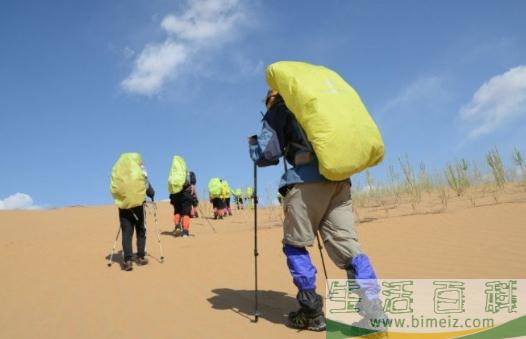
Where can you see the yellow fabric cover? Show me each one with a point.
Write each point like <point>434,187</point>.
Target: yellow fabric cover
<point>343,135</point>
<point>128,184</point>
<point>177,176</point>
<point>214,188</point>
<point>225,190</point>
<point>249,192</point>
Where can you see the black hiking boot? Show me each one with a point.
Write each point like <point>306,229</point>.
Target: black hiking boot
<point>127,265</point>
<point>185,233</point>
<point>302,320</point>
<point>177,230</point>
<point>142,261</point>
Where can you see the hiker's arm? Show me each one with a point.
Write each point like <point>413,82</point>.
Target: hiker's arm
<point>150,192</point>
<point>266,148</point>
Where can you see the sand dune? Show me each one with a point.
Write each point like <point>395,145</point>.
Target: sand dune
<point>56,284</point>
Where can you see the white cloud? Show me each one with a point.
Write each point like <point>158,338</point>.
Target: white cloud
<point>155,64</point>
<point>201,27</point>
<point>499,100</point>
<point>205,20</point>
<point>17,201</point>
<point>421,91</point>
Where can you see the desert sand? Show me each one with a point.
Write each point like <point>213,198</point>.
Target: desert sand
<point>56,284</point>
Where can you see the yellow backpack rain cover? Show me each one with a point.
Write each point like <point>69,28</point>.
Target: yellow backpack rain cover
<point>343,135</point>
<point>177,176</point>
<point>214,188</point>
<point>249,192</point>
<point>128,184</point>
<point>225,190</point>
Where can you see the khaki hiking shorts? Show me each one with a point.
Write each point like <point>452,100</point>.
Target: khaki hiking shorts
<point>325,207</point>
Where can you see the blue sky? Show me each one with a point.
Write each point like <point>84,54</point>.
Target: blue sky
<point>82,82</point>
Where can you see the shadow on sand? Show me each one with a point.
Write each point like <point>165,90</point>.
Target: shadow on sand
<point>170,233</point>
<point>273,306</point>
<point>118,258</point>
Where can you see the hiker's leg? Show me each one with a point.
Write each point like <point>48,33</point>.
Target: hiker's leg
<point>341,242</point>
<point>126,221</point>
<point>220,207</point>
<point>342,245</point>
<point>214,207</point>
<point>186,210</point>
<point>177,219</point>
<point>141,231</point>
<point>304,277</point>
<point>337,228</point>
<point>228,206</point>
<point>303,214</point>
<point>304,206</point>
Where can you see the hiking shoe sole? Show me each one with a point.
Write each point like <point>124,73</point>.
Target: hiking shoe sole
<point>127,266</point>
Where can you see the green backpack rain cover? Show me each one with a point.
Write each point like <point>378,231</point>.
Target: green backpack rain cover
<point>128,184</point>
<point>177,176</point>
<point>343,135</point>
<point>214,188</point>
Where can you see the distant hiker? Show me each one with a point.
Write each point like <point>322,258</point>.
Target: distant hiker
<point>313,203</point>
<point>195,204</point>
<point>214,192</point>
<point>248,196</point>
<point>238,197</point>
<point>181,185</point>
<point>129,187</point>
<point>225,195</point>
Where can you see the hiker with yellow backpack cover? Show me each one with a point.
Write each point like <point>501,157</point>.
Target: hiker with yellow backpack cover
<point>225,195</point>
<point>238,197</point>
<point>215,194</point>
<point>317,122</point>
<point>181,186</point>
<point>129,187</point>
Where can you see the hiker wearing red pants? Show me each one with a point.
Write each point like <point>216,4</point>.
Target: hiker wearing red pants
<point>182,203</point>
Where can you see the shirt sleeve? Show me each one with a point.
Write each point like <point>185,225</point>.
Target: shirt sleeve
<point>268,148</point>
<point>149,190</point>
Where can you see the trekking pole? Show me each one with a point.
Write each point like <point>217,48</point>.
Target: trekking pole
<point>206,219</point>
<point>157,230</point>
<point>323,263</point>
<point>110,261</point>
<point>255,197</point>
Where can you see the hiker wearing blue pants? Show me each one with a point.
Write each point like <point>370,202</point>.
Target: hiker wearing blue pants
<point>312,204</point>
